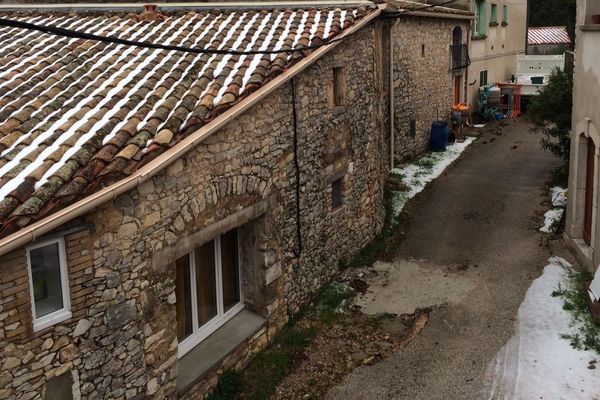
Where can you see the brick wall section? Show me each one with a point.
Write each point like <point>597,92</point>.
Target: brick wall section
<point>28,359</point>
<point>15,303</point>
<point>79,264</point>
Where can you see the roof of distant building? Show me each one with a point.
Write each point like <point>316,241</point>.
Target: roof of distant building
<point>548,35</point>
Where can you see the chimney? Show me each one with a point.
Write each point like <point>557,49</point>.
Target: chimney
<point>150,14</point>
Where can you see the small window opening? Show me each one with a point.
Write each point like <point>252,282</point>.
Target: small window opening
<point>422,50</point>
<point>413,128</point>
<point>337,193</point>
<point>339,84</point>
<point>483,78</point>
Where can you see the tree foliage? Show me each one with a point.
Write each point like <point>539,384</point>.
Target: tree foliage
<point>550,113</point>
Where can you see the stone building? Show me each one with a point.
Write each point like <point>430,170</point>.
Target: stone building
<point>164,212</point>
<point>430,51</point>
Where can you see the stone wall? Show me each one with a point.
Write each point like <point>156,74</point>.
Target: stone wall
<point>121,341</point>
<point>423,81</point>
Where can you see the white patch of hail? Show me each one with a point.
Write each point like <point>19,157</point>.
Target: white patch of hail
<point>17,180</point>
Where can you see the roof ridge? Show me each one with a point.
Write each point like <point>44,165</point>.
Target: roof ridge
<point>187,6</point>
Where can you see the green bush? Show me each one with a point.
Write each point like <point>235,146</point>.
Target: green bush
<point>550,113</point>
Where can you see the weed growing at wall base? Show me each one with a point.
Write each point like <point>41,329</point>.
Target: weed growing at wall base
<point>382,247</point>
<point>586,334</point>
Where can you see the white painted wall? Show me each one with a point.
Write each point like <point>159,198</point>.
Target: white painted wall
<point>586,124</point>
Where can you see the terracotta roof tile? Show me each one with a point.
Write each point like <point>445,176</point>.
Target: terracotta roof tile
<point>74,112</point>
<point>541,35</point>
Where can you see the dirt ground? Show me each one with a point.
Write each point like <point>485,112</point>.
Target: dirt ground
<point>428,322</point>
<point>353,340</point>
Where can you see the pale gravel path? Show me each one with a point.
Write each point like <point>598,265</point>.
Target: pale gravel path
<point>479,213</point>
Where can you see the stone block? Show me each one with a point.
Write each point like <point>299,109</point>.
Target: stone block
<point>120,314</point>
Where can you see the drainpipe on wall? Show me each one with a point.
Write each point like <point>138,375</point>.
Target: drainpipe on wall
<point>466,83</point>
<point>391,94</point>
<point>527,28</point>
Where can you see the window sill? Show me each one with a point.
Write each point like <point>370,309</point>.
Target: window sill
<point>51,319</point>
<point>478,37</point>
<point>505,24</point>
<point>209,353</point>
<point>493,24</point>
<point>590,27</point>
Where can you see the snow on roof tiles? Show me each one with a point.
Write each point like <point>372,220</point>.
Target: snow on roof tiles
<point>548,35</point>
<point>75,114</point>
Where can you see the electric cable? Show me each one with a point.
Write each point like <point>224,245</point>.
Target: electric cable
<point>297,252</point>
<point>74,34</point>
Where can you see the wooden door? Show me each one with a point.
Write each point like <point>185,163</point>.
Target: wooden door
<point>457,89</point>
<point>589,192</point>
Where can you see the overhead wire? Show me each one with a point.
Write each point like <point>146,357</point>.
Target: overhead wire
<point>74,34</point>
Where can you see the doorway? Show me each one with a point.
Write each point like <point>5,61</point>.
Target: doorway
<point>589,191</point>
<point>457,89</point>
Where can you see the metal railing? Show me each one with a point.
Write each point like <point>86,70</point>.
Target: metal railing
<point>460,56</point>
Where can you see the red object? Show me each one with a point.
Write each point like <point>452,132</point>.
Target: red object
<point>596,19</point>
<point>516,106</point>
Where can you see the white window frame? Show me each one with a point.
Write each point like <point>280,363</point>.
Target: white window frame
<point>64,313</point>
<point>199,334</point>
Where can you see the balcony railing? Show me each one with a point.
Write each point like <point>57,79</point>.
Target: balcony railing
<point>460,56</point>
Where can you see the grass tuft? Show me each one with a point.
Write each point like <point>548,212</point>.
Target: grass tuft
<point>331,300</point>
<point>425,162</point>
<point>270,366</point>
<point>228,388</point>
<point>575,301</point>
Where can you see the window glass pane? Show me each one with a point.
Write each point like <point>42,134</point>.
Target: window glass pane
<point>183,291</point>
<point>46,281</point>
<point>230,269</point>
<point>206,290</point>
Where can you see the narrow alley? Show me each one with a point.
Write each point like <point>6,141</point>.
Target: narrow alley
<point>475,231</point>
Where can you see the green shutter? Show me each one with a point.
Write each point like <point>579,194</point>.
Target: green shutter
<point>505,14</point>
<point>494,16</point>
<point>482,17</point>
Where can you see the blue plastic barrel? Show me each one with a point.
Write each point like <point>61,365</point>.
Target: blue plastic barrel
<point>439,136</point>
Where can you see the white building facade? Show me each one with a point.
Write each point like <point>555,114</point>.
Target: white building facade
<point>583,229</point>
